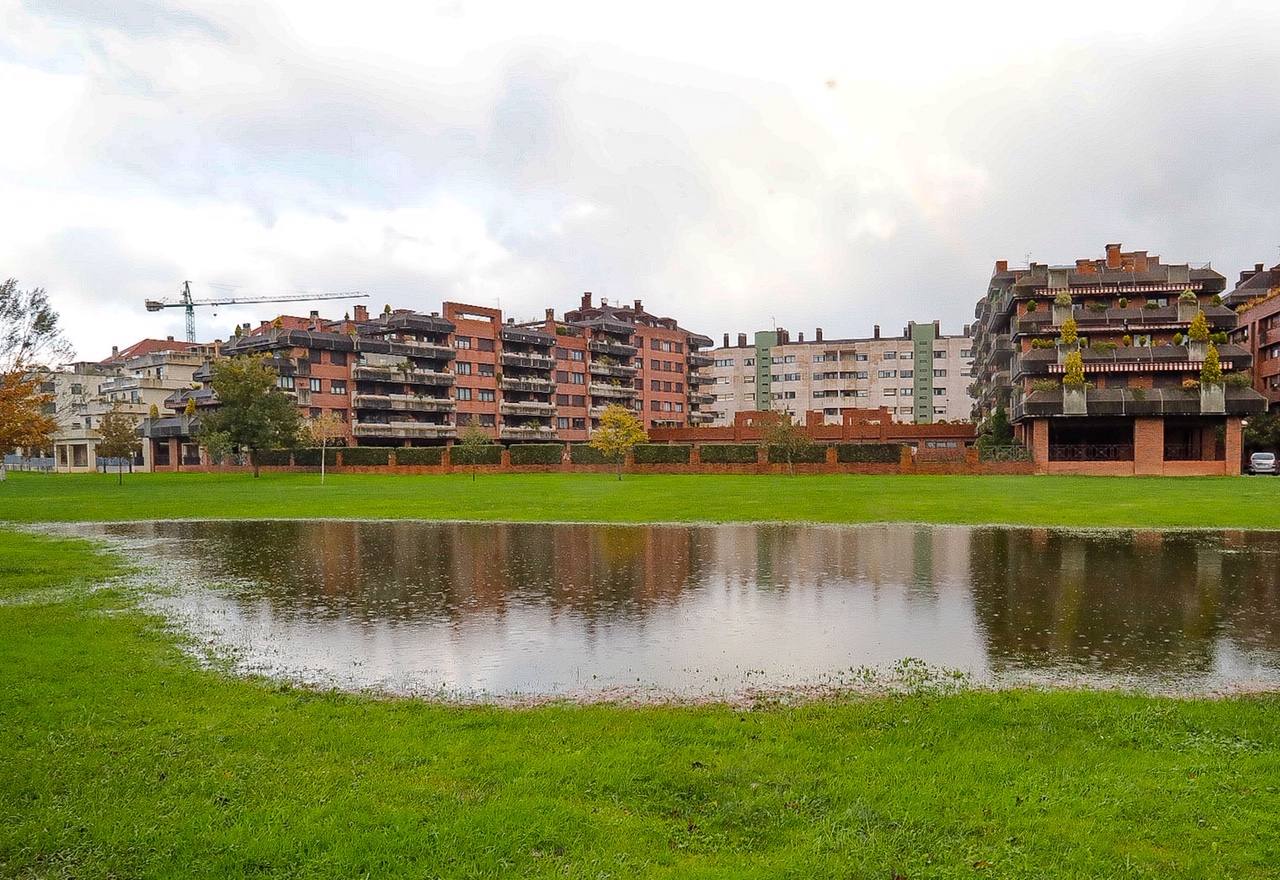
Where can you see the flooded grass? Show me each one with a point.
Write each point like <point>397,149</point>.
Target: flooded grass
<point>124,758</point>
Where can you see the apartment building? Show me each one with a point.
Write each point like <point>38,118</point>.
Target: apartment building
<point>405,378</point>
<point>1142,408</point>
<point>921,377</point>
<point>1256,298</point>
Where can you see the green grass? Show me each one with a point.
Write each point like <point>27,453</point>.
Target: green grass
<point>122,759</point>
<point>1066,501</point>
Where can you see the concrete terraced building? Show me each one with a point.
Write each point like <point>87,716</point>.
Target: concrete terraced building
<point>921,377</point>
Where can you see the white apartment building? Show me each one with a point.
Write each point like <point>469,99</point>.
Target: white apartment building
<point>921,377</point>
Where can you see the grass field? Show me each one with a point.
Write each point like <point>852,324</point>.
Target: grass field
<point>1065,501</point>
<point>122,759</point>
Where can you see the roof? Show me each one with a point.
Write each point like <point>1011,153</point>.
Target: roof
<point>1259,283</point>
<point>150,346</point>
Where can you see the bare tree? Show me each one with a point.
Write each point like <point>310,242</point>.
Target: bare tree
<point>30,342</point>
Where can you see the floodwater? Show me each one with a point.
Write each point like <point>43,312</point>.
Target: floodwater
<point>471,610</point>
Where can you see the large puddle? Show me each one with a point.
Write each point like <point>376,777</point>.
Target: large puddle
<point>473,610</point>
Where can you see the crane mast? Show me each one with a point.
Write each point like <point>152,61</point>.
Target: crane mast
<point>188,303</point>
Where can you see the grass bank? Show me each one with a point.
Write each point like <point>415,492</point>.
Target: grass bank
<point>122,759</point>
<point>1049,501</point>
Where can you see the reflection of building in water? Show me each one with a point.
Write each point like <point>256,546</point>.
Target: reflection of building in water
<point>920,558</point>
<point>1126,602</point>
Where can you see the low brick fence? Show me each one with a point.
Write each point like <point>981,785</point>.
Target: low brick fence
<point>833,459</point>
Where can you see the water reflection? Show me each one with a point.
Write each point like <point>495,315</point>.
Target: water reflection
<point>495,609</point>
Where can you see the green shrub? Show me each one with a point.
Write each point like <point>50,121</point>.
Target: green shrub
<point>1151,304</point>
<point>420,455</point>
<point>584,453</point>
<point>729,453</point>
<point>1062,299</point>
<point>857,453</point>
<point>311,457</point>
<point>661,453</point>
<point>275,457</point>
<point>365,456</point>
<point>1046,385</point>
<point>1043,343</point>
<point>537,453</point>
<point>490,453</point>
<point>1031,306</point>
<point>815,453</point>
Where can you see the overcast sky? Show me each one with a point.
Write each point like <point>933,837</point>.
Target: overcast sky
<point>827,164</point>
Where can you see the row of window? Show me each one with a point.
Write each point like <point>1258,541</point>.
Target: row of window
<point>466,368</point>
<point>938,354</point>
<point>485,395</point>
<point>314,385</point>
<point>481,343</point>
<point>666,406</point>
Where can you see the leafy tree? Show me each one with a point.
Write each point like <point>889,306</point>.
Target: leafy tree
<point>787,437</point>
<point>30,343</point>
<point>1199,329</point>
<point>252,410</point>
<point>217,443</point>
<point>1211,370</point>
<point>118,433</point>
<point>1073,376</point>
<point>1262,431</point>
<point>618,434</point>
<point>471,446</point>
<point>997,431</point>
<point>323,430</point>
<point>1070,334</point>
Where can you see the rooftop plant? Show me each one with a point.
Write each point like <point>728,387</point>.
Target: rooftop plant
<point>1123,302</point>
<point>1187,296</point>
<point>1062,299</point>
<point>1211,371</point>
<point>1074,376</point>
<point>1199,329</point>
<point>1069,334</point>
<point>1032,305</point>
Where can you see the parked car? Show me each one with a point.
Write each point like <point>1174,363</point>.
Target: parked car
<point>1262,463</point>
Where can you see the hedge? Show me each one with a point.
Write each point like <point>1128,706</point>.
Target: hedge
<point>856,453</point>
<point>585,453</point>
<point>729,453</point>
<point>365,456</point>
<point>275,457</point>
<point>661,453</point>
<point>815,453</point>
<point>420,455</point>
<point>311,457</point>
<point>490,453</point>
<point>536,453</point>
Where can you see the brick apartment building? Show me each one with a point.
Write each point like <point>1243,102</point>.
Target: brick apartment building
<point>920,377</point>
<point>1256,298</point>
<point>1141,411</point>
<point>409,379</point>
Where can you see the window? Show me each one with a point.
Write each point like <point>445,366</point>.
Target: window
<point>577,378</point>
<point>464,393</point>
<point>338,386</point>
<point>939,374</point>
<point>939,355</point>
<point>749,380</point>
<point>562,375</point>
<point>484,395</point>
<point>679,388</point>
<point>859,357</point>
<point>315,412</point>
<point>888,374</point>
<point>483,344</point>
<point>905,392</point>
<point>462,368</point>
<point>789,359</point>
<point>562,400</point>
<point>577,400</point>
<point>338,358</point>
<point>890,355</point>
<point>891,392</point>
<point>653,405</point>
<point>314,385</point>
<point>788,395</point>
<point>562,422</point>
<point>748,362</point>
<point>966,352</point>
<point>285,382</point>
<point>655,385</point>
<point>580,424</point>
<point>939,392</point>
<point>462,342</point>
<point>906,374</point>
<point>655,365</point>
<point>939,410</point>
<point>653,343</point>
<point>486,420</point>
<point>484,369</point>
<point>726,362</point>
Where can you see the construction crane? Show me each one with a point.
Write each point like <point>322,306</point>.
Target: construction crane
<point>186,301</point>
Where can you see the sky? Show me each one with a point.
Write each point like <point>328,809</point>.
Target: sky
<point>738,166</point>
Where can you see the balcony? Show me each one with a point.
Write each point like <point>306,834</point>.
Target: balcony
<point>135,383</point>
<point>527,336</point>
<point>1129,359</point>
<point>700,379</point>
<point>526,432</point>
<point>1136,402</point>
<point>532,385</point>
<point>621,371</point>
<point>615,391</point>
<point>1120,320</point>
<point>400,375</point>
<point>417,348</point>
<point>528,361</point>
<point>617,328</point>
<point>617,349</point>
<point>403,430</point>
<point>698,359</point>
<point>701,418</point>
<point>527,408</point>
<point>403,403</point>
<point>702,399</point>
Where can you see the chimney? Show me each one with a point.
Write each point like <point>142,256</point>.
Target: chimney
<point>586,300</point>
<point>875,332</point>
<point>169,339</point>
<point>1113,256</point>
<point>639,307</point>
<point>742,340</point>
<point>115,350</point>
<point>1002,266</point>
<point>968,328</point>
<point>937,328</point>
<point>361,313</point>
<point>551,315</point>
<point>817,334</point>
<point>726,340</point>
<point>511,320</point>
<point>314,314</point>
<point>800,336</point>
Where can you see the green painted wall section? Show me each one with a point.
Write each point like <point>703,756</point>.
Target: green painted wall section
<point>922,337</point>
<point>765,341</point>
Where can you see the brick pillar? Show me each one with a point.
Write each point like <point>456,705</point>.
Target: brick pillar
<point>832,459</point>
<point>695,454</point>
<point>446,457</point>
<point>762,454</point>
<point>175,454</point>
<point>505,461</point>
<point>1148,447</point>
<point>337,458</point>
<point>1233,443</point>
<point>1039,444</point>
<point>906,464</point>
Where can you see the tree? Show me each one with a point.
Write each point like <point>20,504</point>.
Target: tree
<point>1211,369</point>
<point>787,438</point>
<point>323,430</point>
<point>1199,329</point>
<point>1073,376</point>
<point>471,446</point>
<point>618,434</point>
<point>118,433</point>
<point>996,431</point>
<point>1070,334</point>
<point>30,343</point>
<point>216,443</point>
<point>252,410</point>
<point>1262,431</point>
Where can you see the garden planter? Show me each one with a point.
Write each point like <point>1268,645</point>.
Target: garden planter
<point>1060,314</point>
<point>1213,397</point>
<point>1064,350</point>
<point>1073,402</point>
<point>1187,311</point>
<point>1196,351</point>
